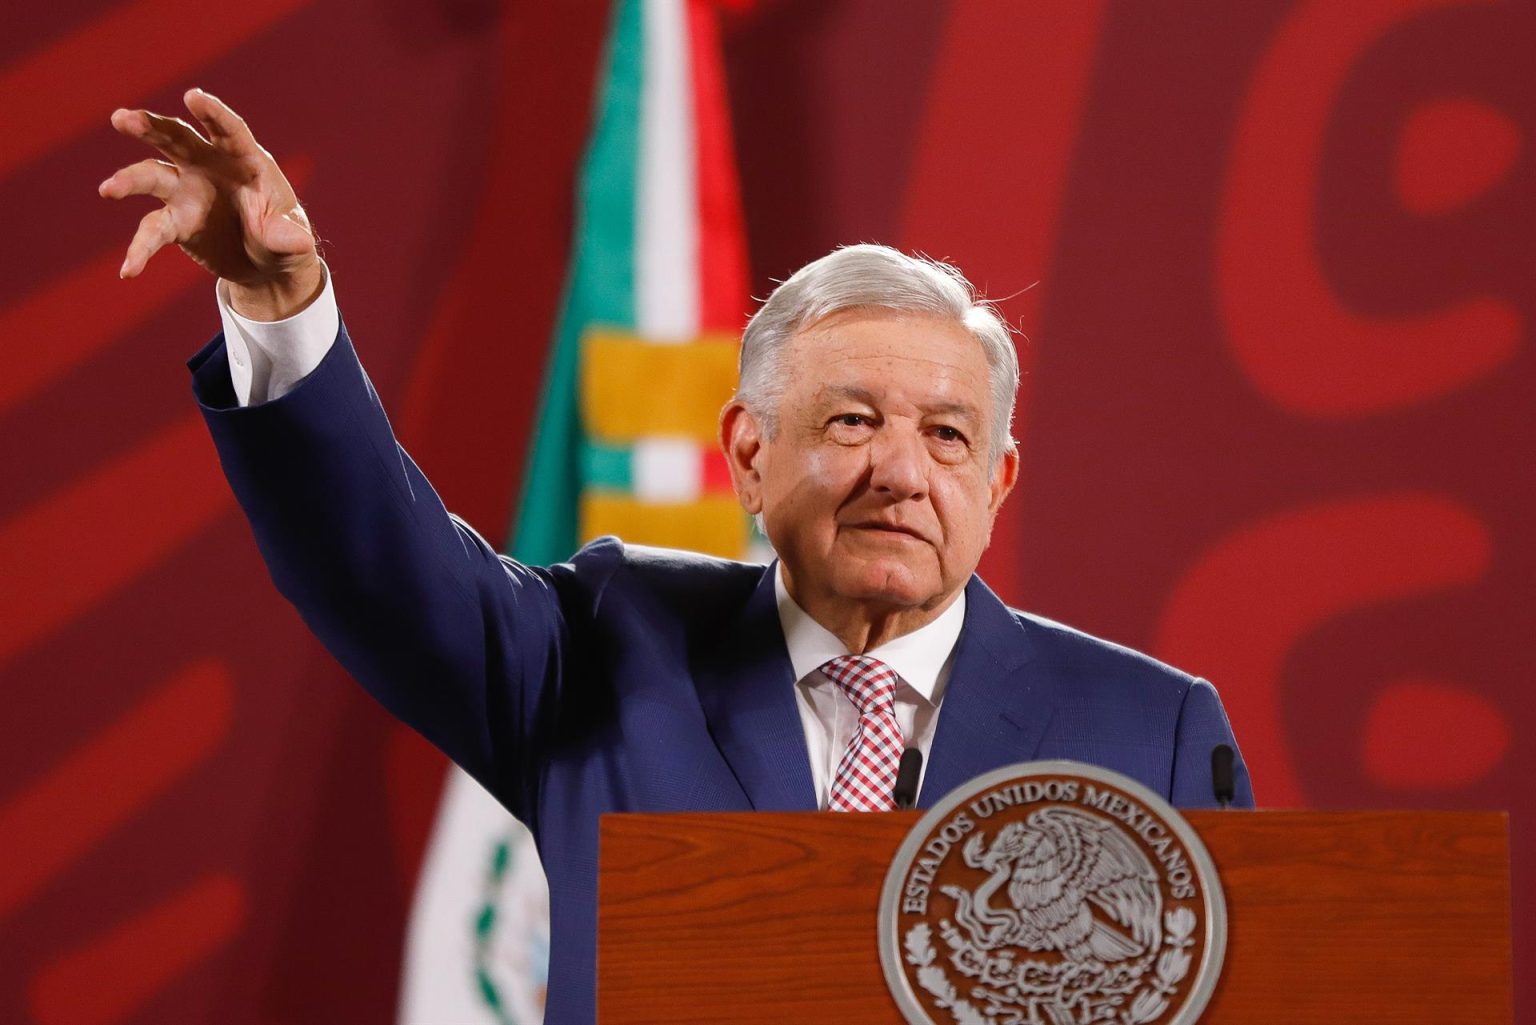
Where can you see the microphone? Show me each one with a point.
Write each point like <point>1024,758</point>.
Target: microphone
<point>1221,774</point>
<point>905,790</point>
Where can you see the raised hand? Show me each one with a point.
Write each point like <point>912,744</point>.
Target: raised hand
<point>227,205</point>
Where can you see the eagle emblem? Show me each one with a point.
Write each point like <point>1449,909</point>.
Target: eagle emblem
<point>1052,893</point>
<point>1076,885</point>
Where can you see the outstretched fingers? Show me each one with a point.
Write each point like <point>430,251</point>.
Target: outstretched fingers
<point>171,136</point>
<point>226,201</point>
<point>224,127</point>
<point>156,230</point>
<point>146,178</point>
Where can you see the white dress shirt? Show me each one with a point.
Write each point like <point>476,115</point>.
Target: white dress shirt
<point>268,358</point>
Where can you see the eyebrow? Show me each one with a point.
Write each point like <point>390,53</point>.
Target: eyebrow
<point>864,395</point>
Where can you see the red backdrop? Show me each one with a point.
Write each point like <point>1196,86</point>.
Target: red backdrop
<point>1273,260</point>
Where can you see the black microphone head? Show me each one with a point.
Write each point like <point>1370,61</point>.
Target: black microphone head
<point>1222,783</point>
<point>905,790</point>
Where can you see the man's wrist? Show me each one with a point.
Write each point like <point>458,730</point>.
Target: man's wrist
<point>279,298</point>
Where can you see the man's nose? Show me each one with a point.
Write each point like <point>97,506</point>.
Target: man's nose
<point>899,464</point>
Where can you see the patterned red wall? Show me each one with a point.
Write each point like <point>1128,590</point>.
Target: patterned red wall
<point>1274,261</point>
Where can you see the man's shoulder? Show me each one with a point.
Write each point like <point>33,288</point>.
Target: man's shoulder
<point>1085,657</point>
<point>670,578</point>
<point>674,567</point>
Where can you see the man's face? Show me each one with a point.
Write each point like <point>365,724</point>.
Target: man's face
<point>878,486</point>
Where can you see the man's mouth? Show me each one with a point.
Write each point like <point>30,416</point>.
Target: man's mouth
<point>892,529</point>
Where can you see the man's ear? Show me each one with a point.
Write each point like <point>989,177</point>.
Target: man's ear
<point>1004,477</point>
<point>741,438</point>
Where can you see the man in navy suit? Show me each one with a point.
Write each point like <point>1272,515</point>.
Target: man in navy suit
<point>870,433</point>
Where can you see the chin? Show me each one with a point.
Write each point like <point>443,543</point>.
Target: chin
<point>886,583</point>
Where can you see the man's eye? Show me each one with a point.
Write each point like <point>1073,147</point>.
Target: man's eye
<point>851,420</point>
<point>948,434</point>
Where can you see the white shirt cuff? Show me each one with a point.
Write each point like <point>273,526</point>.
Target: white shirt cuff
<point>267,359</point>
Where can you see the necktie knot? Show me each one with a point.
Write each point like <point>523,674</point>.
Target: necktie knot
<point>869,683</point>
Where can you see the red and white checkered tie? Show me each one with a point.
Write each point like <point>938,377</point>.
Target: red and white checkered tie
<point>867,773</point>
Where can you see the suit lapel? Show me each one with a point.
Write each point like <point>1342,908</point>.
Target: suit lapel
<point>993,714</point>
<point>747,690</point>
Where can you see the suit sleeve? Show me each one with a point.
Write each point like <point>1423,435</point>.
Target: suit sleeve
<point>465,646</point>
<point>1203,725</point>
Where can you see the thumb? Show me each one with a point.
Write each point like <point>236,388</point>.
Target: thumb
<point>289,233</point>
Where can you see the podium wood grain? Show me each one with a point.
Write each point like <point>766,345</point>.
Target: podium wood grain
<point>1389,917</point>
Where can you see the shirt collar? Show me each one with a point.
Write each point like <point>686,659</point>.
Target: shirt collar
<point>918,657</point>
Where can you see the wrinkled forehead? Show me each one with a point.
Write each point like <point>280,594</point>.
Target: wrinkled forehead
<point>867,351</point>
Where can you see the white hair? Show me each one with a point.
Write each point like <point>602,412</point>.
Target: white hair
<point>881,278</point>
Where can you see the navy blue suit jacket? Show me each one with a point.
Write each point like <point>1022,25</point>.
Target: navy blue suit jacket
<point>630,679</point>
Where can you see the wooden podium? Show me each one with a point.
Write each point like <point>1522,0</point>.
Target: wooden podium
<point>1401,918</point>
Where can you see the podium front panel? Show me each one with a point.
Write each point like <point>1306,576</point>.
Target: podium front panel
<point>1360,917</point>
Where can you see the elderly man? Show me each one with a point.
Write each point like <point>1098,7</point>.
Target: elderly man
<point>870,433</point>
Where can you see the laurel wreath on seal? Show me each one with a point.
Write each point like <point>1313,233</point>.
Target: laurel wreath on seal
<point>920,954</point>
<point>1146,1006</point>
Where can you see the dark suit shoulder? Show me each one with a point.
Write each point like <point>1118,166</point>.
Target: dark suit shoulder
<point>693,584</point>
<point>1103,662</point>
<point>683,585</point>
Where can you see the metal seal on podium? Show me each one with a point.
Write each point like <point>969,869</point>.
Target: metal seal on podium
<point>1052,893</point>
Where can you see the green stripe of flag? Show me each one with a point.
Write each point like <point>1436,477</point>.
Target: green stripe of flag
<point>599,289</point>
<point>607,467</point>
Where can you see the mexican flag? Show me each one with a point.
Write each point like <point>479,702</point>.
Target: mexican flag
<point>644,357</point>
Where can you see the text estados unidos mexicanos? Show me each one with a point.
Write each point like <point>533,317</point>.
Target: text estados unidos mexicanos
<point>1158,840</point>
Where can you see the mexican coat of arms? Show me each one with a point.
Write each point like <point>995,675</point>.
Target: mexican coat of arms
<point>1052,893</point>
